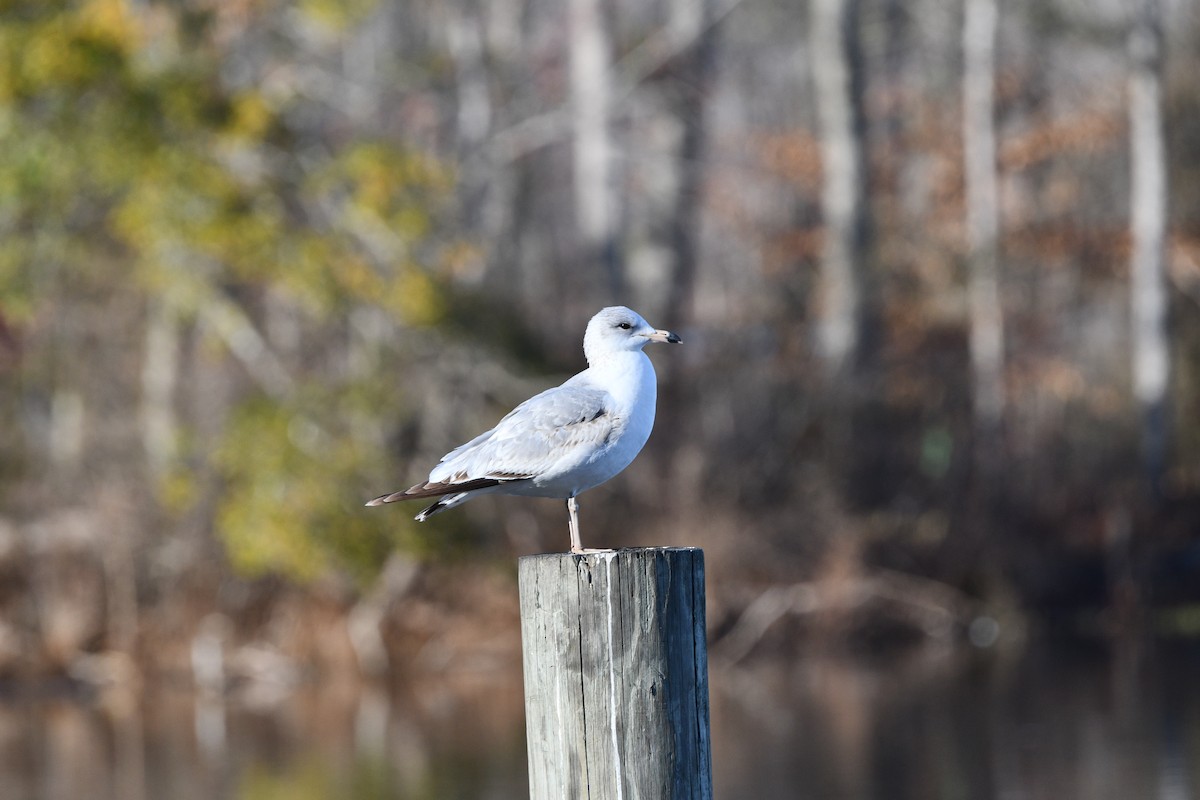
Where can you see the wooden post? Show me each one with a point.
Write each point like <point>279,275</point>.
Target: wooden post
<point>616,675</point>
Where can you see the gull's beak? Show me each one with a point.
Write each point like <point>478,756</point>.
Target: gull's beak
<point>665,336</point>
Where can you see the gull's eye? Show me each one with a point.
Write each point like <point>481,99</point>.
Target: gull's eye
<point>624,326</point>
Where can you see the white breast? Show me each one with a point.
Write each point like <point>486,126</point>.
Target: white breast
<point>629,378</point>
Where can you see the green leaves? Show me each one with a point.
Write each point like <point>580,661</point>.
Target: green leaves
<point>294,484</point>
<point>136,165</point>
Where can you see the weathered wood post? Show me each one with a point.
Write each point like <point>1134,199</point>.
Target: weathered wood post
<point>616,675</point>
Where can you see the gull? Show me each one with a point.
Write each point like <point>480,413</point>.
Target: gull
<point>565,440</point>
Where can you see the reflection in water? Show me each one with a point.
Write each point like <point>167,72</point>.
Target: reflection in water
<point>1061,722</point>
<point>451,741</point>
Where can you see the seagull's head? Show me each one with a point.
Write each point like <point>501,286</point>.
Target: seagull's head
<point>616,329</point>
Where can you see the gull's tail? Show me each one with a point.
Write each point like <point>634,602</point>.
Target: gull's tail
<point>435,490</point>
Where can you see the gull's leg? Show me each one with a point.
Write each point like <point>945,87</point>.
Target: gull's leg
<point>573,511</point>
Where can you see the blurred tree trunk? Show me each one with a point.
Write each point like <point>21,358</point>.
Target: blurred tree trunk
<point>1148,203</point>
<point>591,108</point>
<point>473,117</point>
<point>160,374</point>
<point>693,32</point>
<point>692,21</point>
<point>979,154</point>
<point>847,311</point>
<point>842,327</point>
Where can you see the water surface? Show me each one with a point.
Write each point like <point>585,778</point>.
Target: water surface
<point>1054,721</point>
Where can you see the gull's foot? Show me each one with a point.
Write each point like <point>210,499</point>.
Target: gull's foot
<point>586,551</point>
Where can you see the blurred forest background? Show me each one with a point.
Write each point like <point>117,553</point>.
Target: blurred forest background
<point>936,267</point>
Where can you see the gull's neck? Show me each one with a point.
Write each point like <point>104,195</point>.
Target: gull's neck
<point>627,375</point>
<point>617,359</point>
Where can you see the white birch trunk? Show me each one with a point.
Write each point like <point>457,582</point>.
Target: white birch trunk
<point>1151,363</point>
<point>979,154</point>
<point>591,102</point>
<point>843,197</point>
<point>474,114</point>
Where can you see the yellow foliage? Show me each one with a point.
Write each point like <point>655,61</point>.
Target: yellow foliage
<point>74,47</point>
<point>338,15</point>
<point>178,492</point>
<point>110,21</point>
<point>416,297</point>
<point>251,116</point>
<point>51,57</point>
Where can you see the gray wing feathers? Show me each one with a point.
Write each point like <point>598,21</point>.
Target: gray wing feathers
<point>462,448</point>
<point>545,430</point>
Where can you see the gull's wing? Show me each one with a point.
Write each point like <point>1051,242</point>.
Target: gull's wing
<point>558,424</point>
<point>533,437</point>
